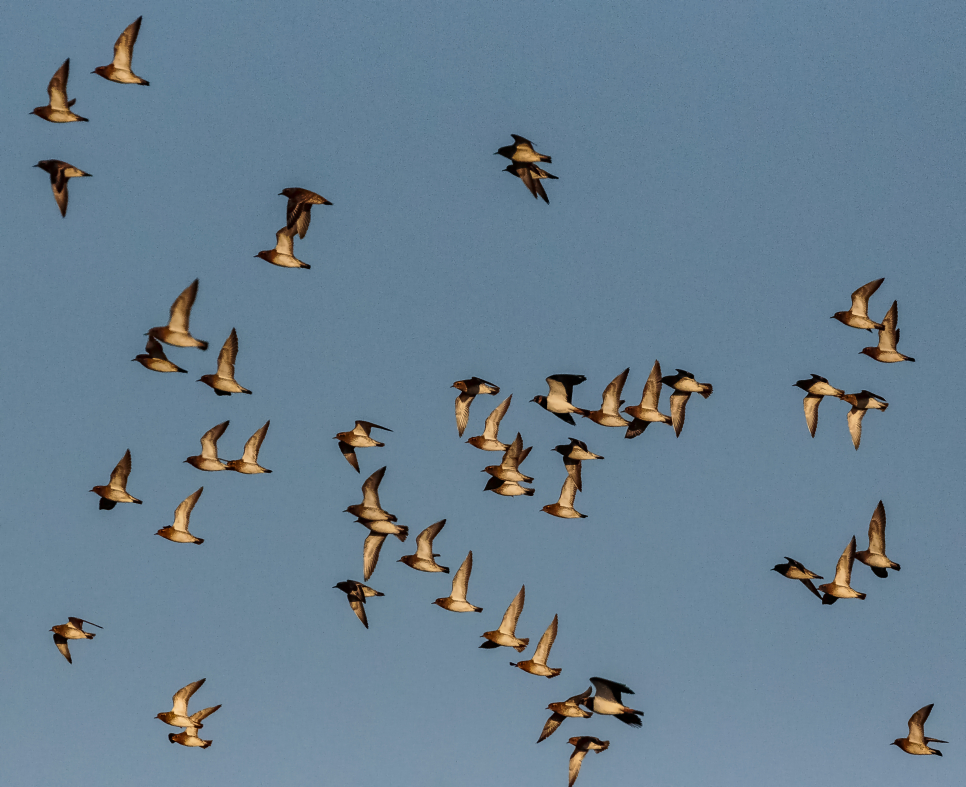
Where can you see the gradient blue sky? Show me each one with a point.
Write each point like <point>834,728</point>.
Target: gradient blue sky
<point>728,174</point>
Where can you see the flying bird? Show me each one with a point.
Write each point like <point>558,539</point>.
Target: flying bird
<point>488,441</point>
<point>858,315</point>
<point>190,736</point>
<point>558,400</point>
<point>208,460</point>
<point>537,665</point>
<point>522,151</point>
<point>59,172</point>
<point>176,332</point>
<point>425,558</point>
<point>298,212</point>
<point>608,414</point>
<point>248,464</point>
<point>357,594</point>
<point>73,629</point>
<point>875,557</point>
<point>178,532</point>
<point>456,601</point>
<point>886,351</point>
<point>531,175</point>
<point>178,715</point>
<point>684,385</point>
<point>116,490</point>
<point>564,507</point>
<point>378,530</point>
<point>607,702</point>
<point>358,437</point>
<point>509,467</point>
<point>469,389</point>
<point>505,636</point>
<point>564,710</point>
<point>119,70</point>
<point>815,389</point>
<point>573,455</point>
<point>861,403</point>
<point>917,742</point>
<point>646,413</point>
<point>370,508</point>
<point>582,745</point>
<point>58,110</point>
<point>795,570</point>
<point>840,587</point>
<point>283,254</point>
<point>153,358</point>
<point>223,381</point>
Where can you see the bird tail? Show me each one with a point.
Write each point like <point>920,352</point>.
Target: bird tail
<point>631,718</point>
<point>403,533</point>
<point>554,673</point>
<point>526,641</point>
<point>528,492</point>
<point>709,390</point>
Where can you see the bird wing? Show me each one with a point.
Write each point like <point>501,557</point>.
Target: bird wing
<point>522,142</point>
<point>79,623</point>
<point>509,623</point>
<point>855,417</point>
<point>512,455</point>
<point>462,579</point>
<point>370,553</point>
<point>209,440</point>
<point>612,394</point>
<point>254,444</point>
<point>350,455</point>
<point>563,384</point>
<point>541,191</point>
<point>492,426</point>
<point>61,643</point>
<point>463,402</point>
<point>284,241</point>
<point>811,412</point>
<point>808,583</point>
<point>201,715</point>
<point>58,184</point>
<point>364,427</point>
<point>125,44</point>
<point>568,492</point>
<point>545,643</point>
<point>843,569</point>
<point>610,690</point>
<point>181,308</point>
<point>357,602</point>
<point>917,722</point>
<point>573,470</point>
<point>652,388</point>
<point>121,471</point>
<point>877,530</point>
<point>679,401</point>
<point>183,512</point>
<point>181,697</point>
<point>154,349</point>
<point>551,726</point>
<point>370,489</point>
<point>575,760</point>
<point>226,358</point>
<point>525,174</point>
<point>889,334</point>
<point>424,541</point>
<point>57,87</point>
<point>860,298</point>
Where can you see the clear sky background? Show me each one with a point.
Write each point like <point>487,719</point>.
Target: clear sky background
<point>728,173</point>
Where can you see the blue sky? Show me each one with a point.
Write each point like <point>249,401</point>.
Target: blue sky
<point>728,174</point>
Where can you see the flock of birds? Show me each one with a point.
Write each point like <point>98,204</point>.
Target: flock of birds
<point>506,479</point>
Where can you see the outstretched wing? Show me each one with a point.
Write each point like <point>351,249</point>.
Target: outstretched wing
<point>121,471</point>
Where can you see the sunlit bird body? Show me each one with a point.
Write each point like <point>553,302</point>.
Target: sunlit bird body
<point>358,437</point>
<point>646,413</point>
<point>858,315</point>
<point>815,390</point>
<point>795,570</point>
<point>208,459</point>
<point>505,636</point>
<point>469,389</point>
<point>537,665</point>
<point>248,464</point>
<point>840,587</point>
<point>917,741</point>
<point>583,744</point>
<point>59,172</point>
<point>73,629</point>
<point>176,332</point>
<point>885,351</point>
<point>116,490</point>
<point>223,381</point>
<point>298,212</point>
<point>570,708</point>
<point>456,601</point>
<point>178,532</point>
<point>875,557</point>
